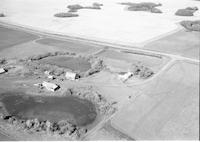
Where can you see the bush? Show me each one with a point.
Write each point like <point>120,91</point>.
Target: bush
<point>68,14</point>
<point>3,61</point>
<point>92,7</point>
<point>192,8</point>
<point>57,128</point>
<point>191,25</point>
<point>127,3</point>
<point>97,4</point>
<point>74,8</point>
<point>135,8</point>
<point>156,10</point>
<point>96,67</point>
<point>149,5</point>
<point>2,15</point>
<point>141,71</point>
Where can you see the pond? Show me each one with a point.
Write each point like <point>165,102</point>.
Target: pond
<point>75,110</point>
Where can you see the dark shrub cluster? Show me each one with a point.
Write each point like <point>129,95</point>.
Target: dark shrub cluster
<point>39,68</point>
<point>191,25</point>
<point>2,61</point>
<point>189,11</point>
<point>94,6</point>
<point>143,6</point>
<point>2,15</point>
<point>141,71</point>
<point>63,127</point>
<point>76,7</point>
<point>102,105</point>
<point>97,4</point>
<point>66,14</point>
<point>49,54</point>
<point>96,66</point>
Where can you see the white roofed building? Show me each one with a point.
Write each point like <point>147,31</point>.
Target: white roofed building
<point>71,76</point>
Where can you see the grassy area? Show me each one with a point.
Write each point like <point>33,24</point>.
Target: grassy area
<point>10,37</point>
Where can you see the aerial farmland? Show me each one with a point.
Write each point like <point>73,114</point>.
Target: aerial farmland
<point>99,70</point>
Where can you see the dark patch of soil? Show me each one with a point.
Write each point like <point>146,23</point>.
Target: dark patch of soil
<point>2,15</point>
<point>2,61</point>
<point>191,25</point>
<point>77,111</point>
<point>189,11</point>
<point>76,7</point>
<point>66,14</point>
<point>143,6</point>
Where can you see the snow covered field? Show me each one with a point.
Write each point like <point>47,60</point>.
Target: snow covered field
<point>110,24</point>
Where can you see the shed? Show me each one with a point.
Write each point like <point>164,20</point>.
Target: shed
<point>50,86</point>
<point>71,76</point>
<point>125,75</point>
<point>2,70</point>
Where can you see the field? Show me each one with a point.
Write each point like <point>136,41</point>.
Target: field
<point>183,43</point>
<point>112,23</point>
<point>71,46</point>
<point>165,108</point>
<point>14,37</point>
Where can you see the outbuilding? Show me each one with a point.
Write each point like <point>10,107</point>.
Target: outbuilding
<point>125,75</point>
<point>71,76</point>
<point>50,86</point>
<point>2,70</point>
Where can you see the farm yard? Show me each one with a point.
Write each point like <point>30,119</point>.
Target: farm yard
<point>96,70</point>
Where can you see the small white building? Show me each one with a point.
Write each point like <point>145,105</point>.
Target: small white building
<point>51,77</point>
<point>37,84</point>
<point>71,76</point>
<point>47,72</point>
<point>125,76</point>
<point>50,86</point>
<point>2,70</point>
